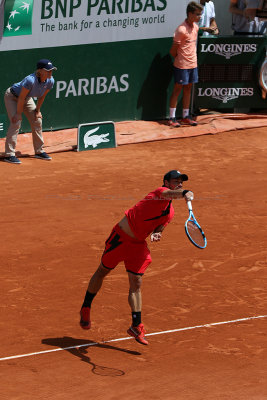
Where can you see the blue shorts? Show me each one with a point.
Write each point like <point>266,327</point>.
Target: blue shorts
<point>185,76</point>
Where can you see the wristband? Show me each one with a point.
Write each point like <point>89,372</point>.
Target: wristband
<point>185,191</point>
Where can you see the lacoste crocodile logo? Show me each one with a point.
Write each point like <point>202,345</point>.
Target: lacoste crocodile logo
<point>94,140</point>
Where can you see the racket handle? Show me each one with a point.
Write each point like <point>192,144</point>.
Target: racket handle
<point>189,205</point>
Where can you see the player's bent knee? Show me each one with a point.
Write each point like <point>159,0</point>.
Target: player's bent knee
<point>38,124</point>
<point>135,282</point>
<point>16,125</point>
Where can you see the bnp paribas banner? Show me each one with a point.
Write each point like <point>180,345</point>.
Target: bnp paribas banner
<point>51,23</point>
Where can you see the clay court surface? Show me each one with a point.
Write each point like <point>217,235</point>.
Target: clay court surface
<point>55,217</point>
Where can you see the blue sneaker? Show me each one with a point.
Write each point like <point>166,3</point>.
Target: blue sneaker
<point>172,122</point>
<point>12,160</point>
<point>43,156</point>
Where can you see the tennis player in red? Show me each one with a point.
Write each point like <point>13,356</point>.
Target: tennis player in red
<point>127,242</point>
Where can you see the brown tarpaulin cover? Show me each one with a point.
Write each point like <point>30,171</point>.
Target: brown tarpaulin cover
<point>144,131</point>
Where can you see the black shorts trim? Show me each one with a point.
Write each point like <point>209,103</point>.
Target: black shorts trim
<point>106,267</point>
<point>135,273</point>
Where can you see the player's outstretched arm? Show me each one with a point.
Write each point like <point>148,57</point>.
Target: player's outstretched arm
<point>177,194</point>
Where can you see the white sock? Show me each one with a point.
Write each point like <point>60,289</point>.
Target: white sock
<point>172,112</point>
<point>185,112</point>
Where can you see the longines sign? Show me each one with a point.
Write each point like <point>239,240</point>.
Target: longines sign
<point>225,94</point>
<point>228,50</point>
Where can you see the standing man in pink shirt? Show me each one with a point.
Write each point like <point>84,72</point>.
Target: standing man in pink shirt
<point>184,52</point>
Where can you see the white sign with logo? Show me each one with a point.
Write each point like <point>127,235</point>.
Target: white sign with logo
<point>52,23</point>
<point>96,135</point>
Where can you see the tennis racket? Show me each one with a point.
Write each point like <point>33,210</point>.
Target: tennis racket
<point>193,230</point>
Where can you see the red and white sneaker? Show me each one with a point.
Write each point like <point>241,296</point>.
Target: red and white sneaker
<point>138,332</point>
<point>188,121</point>
<point>173,123</point>
<point>85,322</point>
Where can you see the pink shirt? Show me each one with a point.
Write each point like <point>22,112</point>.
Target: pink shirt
<point>186,38</point>
<point>149,213</point>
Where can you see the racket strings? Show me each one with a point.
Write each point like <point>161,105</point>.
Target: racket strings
<point>195,233</point>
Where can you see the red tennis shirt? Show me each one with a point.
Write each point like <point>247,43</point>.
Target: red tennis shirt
<point>149,213</point>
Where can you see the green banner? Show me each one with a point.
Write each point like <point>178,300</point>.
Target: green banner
<point>18,17</point>
<point>3,125</point>
<point>88,88</point>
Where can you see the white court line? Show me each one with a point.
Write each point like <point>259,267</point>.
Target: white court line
<point>128,338</point>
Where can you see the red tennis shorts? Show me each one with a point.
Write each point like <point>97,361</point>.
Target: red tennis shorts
<point>122,247</point>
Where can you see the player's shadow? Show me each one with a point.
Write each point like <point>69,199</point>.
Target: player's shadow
<point>79,348</point>
<point>153,96</point>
